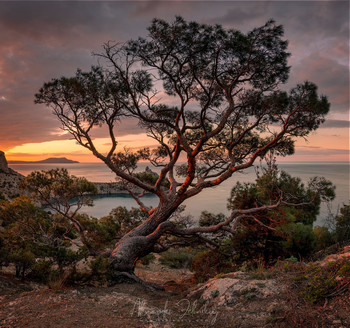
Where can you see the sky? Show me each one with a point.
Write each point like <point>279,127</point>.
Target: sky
<point>41,40</point>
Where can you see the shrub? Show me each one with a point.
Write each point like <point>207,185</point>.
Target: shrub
<point>177,258</point>
<point>208,263</point>
<point>146,260</point>
<point>317,283</point>
<point>41,270</point>
<point>324,238</point>
<point>23,260</point>
<point>342,229</point>
<point>99,267</point>
<point>300,239</point>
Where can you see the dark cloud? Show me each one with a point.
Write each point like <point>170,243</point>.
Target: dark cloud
<point>321,152</point>
<point>46,39</point>
<point>331,77</point>
<point>336,124</point>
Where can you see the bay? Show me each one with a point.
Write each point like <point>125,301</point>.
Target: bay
<point>212,199</point>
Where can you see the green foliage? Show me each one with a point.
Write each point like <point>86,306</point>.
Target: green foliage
<point>99,267</point>
<point>342,228</point>
<point>177,258</point>
<point>41,270</point>
<point>150,177</point>
<point>208,219</point>
<point>317,285</point>
<point>284,231</point>
<point>56,187</point>
<point>324,238</point>
<point>148,259</point>
<point>299,238</point>
<point>121,220</point>
<point>23,260</point>
<point>35,240</point>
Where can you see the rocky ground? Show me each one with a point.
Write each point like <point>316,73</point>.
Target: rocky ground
<point>239,299</point>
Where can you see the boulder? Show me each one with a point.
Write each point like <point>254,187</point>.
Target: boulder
<point>233,287</point>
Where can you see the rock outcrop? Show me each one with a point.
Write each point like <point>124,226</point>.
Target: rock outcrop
<point>3,163</point>
<point>9,180</point>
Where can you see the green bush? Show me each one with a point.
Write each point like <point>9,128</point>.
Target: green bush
<point>100,268</point>
<point>41,270</point>
<point>342,229</point>
<point>317,283</point>
<point>177,258</point>
<point>23,260</point>
<point>300,239</point>
<point>324,238</point>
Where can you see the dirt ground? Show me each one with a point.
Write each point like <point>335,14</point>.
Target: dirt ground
<point>26,304</point>
<point>125,305</point>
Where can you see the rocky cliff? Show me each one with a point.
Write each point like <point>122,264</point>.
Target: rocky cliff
<point>9,179</point>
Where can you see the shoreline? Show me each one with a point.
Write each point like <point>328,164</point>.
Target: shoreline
<point>114,188</point>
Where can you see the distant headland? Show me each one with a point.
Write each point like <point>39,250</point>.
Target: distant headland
<point>51,160</point>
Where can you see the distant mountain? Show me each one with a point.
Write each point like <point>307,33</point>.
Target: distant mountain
<point>51,160</point>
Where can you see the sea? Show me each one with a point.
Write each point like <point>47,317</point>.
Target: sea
<point>213,199</point>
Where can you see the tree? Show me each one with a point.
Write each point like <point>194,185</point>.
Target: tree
<point>219,109</point>
<point>285,231</point>
<point>64,194</point>
<point>31,237</point>
<point>342,227</point>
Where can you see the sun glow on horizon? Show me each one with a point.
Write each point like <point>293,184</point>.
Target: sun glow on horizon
<point>72,150</point>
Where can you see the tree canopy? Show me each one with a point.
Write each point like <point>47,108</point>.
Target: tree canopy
<point>207,95</point>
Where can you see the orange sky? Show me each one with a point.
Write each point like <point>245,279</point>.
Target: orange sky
<point>327,144</point>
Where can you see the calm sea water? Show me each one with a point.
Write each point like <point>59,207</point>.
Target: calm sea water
<point>213,199</point>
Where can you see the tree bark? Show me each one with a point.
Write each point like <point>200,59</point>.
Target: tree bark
<point>136,244</point>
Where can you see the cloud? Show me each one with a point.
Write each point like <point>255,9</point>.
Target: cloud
<point>322,151</point>
<point>336,124</point>
<point>42,40</point>
<point>331,77</point>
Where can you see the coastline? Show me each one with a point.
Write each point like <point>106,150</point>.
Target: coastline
<point>113,188</point>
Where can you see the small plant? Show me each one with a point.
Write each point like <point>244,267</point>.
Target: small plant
<point>214,293</point>
<point>261,275</point>
<point>220,276</point>
<point>260,284</point>
<point>148,259</point>
<point>318,283</point>
<point>292,259</point>
<point>56,281</point>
